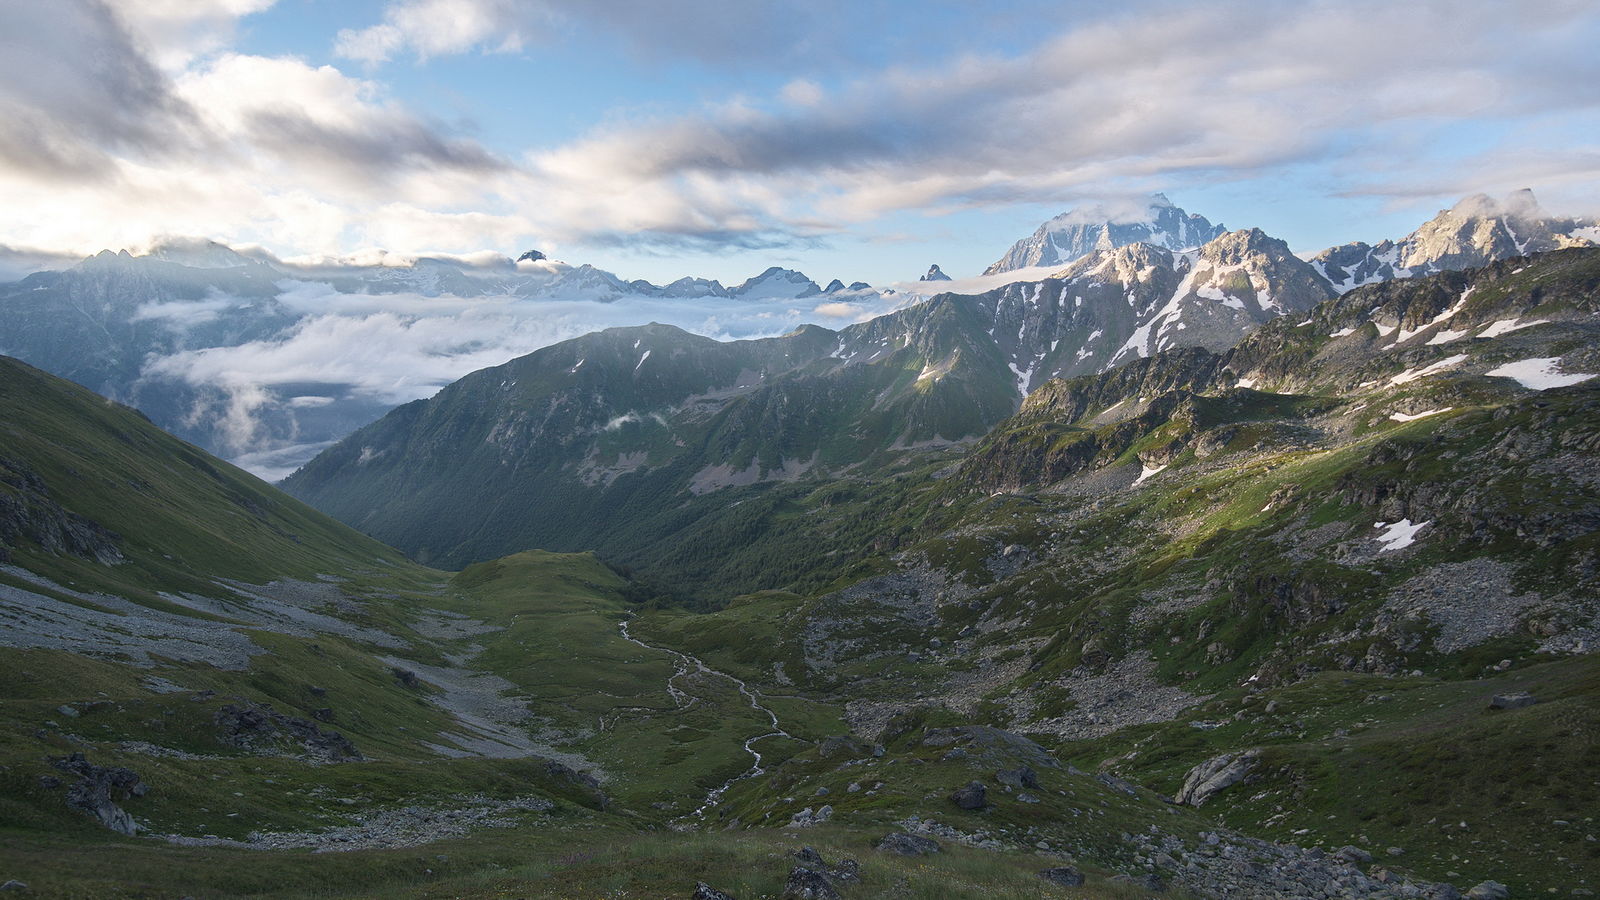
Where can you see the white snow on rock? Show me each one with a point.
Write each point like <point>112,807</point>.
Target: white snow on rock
<point>1412,417</point>
<point>1411,375</point>
<point>1398,535</point>
<point>1506,326</point>
<point>1147,473</point>
<point>1540,374</point>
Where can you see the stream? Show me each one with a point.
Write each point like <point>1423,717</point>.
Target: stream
<point>683,700</point>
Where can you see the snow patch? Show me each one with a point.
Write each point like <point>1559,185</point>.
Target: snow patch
<point>1506,326</point>
<point>1146,473</point>
<point>1411,375</point>
<point>1539,374</point>
<point>1412,417</point>
<point>1398,535</point>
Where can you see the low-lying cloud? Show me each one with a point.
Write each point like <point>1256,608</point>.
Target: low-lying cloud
<point>366,352</point>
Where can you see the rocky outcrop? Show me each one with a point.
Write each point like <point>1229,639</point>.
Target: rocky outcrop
<point>906,844</point>
<point>99,790</point>
<point>1217,774</point>
<point>259,727</point>
<point>28,512</point>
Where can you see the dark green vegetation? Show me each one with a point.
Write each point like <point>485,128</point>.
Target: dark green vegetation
<point>1330,545</point>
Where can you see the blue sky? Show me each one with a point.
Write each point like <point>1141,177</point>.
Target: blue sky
<point>854,140</point>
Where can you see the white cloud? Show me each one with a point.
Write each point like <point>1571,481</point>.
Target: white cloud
<point>309,160</point>
<point>1226,91</point>
<point>380,350</point>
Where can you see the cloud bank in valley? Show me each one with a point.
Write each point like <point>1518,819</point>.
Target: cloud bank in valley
<point>354,355</point>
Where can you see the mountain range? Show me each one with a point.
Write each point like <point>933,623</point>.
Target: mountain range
<point>1233,621</point>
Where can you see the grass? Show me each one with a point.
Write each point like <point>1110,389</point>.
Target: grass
<point>563,861</point>
<point>1402,762</point>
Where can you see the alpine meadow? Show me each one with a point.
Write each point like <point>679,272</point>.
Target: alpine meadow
<point>541,449</point>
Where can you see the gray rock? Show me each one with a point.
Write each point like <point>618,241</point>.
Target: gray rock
<point>1066,876</point>
<point>1024,777</point>
<point>1515,700</point>
<point>908,844</point>
<point>808,884</point>
<point>99,789</point>
<point>1353,855</point>
<point>703,891</point>
<point>806,818</point>
<point>14,885</point>
<point>972,796</point>
<point>1489,890</point>
<point>1149,882</point>
<point>1216,774</point>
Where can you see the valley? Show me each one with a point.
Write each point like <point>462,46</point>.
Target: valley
<point>1309,612</point>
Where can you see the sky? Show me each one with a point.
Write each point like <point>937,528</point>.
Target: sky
<point>860,140</point>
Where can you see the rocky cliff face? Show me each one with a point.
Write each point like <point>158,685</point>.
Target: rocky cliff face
<point>1113,306</point>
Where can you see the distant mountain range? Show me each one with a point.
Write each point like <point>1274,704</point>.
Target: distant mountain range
<point>1129,284</point>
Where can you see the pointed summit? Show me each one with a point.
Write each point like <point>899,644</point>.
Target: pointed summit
<point>934,274</point>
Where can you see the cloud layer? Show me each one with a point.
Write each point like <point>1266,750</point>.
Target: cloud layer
<point>168,131</point>
<point>351,356</point>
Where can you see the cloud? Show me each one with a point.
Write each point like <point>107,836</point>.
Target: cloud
<point>184,314</point>
<point>102,146</point>
<point>77,93</point>
<point>367,352</point>
<point>1171,93</point>
<point>164,131</point>
<point>751,32</point>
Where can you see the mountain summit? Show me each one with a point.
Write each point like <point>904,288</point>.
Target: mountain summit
<point>1476,231</point>
<point>1086,229</point>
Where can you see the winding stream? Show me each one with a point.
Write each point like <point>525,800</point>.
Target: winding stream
<point>683,700</point>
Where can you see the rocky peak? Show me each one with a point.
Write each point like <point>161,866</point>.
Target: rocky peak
<point>1106,227</point>
<point>777,282</point>
<point>1474,232</point>
<point>934,274</point>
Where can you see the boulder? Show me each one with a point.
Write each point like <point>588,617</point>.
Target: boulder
<point>1489,890</point>
<point>703,891</point>
<point>1353,854</point>
<point>808,884</point>
<point>1149,882</point>
<point>908,844</point>
<point>14,885</point>
<point>971,797</point>
<point>1513,700</point>
<point>1216,774</point>
<point>1066,876</point>
<point>806,818</point>
<point>1024,777</point>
